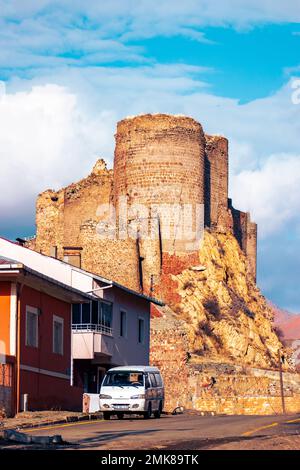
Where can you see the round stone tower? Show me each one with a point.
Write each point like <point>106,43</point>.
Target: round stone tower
<point>159,165</point>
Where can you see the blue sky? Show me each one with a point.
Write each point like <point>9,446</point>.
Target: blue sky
<point>247,64</point>
<point>71,69</point>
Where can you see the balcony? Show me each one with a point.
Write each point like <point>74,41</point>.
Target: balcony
<point>89,327</point>
<point>92,341</point>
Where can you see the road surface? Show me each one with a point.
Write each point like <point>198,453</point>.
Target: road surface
<point>182,432</point>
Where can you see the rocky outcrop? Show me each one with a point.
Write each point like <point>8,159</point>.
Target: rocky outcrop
<point>225,313</point>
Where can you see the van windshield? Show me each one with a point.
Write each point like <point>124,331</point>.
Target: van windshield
<point>123,379</point>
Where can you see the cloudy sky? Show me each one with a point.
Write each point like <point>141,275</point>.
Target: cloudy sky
<point>69,70</point>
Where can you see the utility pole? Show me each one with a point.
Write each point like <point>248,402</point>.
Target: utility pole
<point>280,358</point>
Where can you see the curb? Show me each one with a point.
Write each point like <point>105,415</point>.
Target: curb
<point>68,419</point>
<point>21,438</point>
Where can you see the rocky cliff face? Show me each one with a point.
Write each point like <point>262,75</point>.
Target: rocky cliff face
<point>225,314</point>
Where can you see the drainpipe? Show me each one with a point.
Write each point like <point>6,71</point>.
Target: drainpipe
<point>18,343</point>
<point>72,360</point>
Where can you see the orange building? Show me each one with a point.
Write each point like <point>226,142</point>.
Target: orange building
<point>35,340</point>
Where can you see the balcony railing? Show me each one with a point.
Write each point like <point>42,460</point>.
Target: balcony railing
<point>90,327</point>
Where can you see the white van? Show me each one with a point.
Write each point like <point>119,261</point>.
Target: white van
<point>132,390</point>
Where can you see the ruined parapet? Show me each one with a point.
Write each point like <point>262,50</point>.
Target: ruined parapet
<point>86,200</point>
<point>251,247</point>
<point>49,223</point>
<point>216,184</point>
<point>159,165</point>
<point>245,232</point>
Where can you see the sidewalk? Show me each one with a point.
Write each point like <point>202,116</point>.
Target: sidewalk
<point>43,418</point>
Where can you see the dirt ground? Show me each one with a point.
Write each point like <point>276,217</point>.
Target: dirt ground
<point>36,418</point>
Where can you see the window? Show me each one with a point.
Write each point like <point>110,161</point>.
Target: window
<point>32,327</point>
<point>72,255</point>
<point>53,251</point>
<point>106,314</point>
<point>95,315</point>
<point>158,380</point>
<point>76,314</point>
<point>153,380</point>
<point>124,378</point>
<point>58,335</point>
<point>123,323</point>
<point>86,314</point>
<point>141,330</point>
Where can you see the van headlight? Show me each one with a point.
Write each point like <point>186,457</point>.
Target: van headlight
<point>137,397</point>
<point>105,397</point>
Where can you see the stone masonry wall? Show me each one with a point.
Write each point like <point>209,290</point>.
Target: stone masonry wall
<point>159,160</point>
<point>214,387</point>
<point>68,222</point>
<point>216,184</point>
<point>169,352</point>
<point>245,232</point>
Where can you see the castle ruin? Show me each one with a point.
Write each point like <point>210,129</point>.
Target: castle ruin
<point>160,222</point>
<point>161,161</point>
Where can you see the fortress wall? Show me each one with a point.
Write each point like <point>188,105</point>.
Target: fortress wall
<point>251,250</point>
<point>236,389</point>
<point>216,183</point>
<point>245,232</point>
<point>68,220</point>
<point>112,259</point>
<point>50,222</point>
<point>86,201</point>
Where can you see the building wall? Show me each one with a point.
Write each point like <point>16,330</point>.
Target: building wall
<point>7,390</point>
<point>5,291</point>
<point>44,390</point>
<point>116,350</point>
<point>49,393</point>
<point>127,350</point>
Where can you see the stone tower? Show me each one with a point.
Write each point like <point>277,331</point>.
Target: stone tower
<point>159,164</point>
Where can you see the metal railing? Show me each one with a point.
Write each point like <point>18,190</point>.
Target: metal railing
<point>91,327</point>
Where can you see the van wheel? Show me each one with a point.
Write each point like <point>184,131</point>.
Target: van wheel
<point>106,415</point>
<point>148,413</point>
<point>120,415</point>
<point>157,413</point>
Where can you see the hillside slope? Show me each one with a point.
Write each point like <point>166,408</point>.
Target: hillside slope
<point>288,323</point>
<point>227,317</point>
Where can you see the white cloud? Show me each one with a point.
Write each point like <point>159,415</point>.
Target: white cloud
<point>271,193</point>
<point>33,32</point>
<point>45,141</point>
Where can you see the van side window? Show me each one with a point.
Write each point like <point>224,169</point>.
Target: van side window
<point>153,380</point>
<point>147,381</point>
<point>158,380</point>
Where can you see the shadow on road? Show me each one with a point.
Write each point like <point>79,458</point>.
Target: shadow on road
<point>105,437</point>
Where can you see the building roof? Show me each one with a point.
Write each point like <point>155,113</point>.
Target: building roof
<point>120,286</point>
<point>134,368</point>
<point>33,278</point>
<point>29,258</point>
<point>5,261</point>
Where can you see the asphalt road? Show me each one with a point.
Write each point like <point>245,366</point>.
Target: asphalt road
<point>183,432</point>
